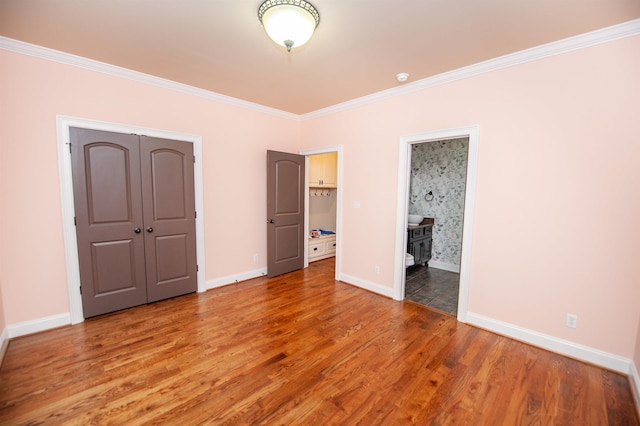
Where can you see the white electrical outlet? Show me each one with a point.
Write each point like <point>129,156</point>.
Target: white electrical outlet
<point>376,270</point>
<point>256,257</point>
<point>572,320</point>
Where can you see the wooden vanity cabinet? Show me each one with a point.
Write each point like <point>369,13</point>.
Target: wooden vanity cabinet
<point>419,243</point>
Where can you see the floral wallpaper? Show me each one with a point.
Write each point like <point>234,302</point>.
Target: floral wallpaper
<point>440,168</point>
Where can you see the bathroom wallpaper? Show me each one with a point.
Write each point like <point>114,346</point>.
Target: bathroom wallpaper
<point>441,168</point>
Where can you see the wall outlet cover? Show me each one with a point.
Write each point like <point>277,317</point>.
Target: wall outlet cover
<point>572,320</point>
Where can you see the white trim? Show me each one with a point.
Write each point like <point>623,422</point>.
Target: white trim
<point>444,266</point>
<point>4,343</point>
<point>634,378</point>
<point>68,211</point>
<point>306,210</point>
<point>367,285</point>
<point>604,35</point>
<point>402,204</point>
<point>324,150</point>
<point>554,344</point>
<point>198,188</point>
<point>38,325</point>
<point>235,279</point>
<point>116,71</point>
<point>404,176</point>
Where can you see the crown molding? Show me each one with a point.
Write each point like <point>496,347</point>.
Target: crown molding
<point>604,35</point>
<point>113,70</point>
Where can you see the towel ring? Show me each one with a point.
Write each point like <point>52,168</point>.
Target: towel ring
<point>429,196</point>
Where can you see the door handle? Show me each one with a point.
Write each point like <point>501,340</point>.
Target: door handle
<point>149,229</point>
<point>271,221</point>
<point>137,230</point>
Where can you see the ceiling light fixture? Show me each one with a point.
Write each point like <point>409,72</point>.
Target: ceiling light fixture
<point>289,22</point>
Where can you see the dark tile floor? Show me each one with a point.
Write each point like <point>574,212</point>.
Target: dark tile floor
<point>435,288</point>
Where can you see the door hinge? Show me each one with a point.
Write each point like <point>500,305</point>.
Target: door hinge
<point>75,221</point>
<point>80,289</point>
<point>69,143</point>
<point>197,268</point>
<point>194,159</point>
<point>195,215</point>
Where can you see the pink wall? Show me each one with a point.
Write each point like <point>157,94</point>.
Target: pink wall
<point>3,323</point>
<point>3,125</point>
<point>34,91</point>
<point>636,356</point>
<point>556,225</point>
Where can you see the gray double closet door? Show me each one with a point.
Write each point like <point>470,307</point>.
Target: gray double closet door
<point>135,219</point>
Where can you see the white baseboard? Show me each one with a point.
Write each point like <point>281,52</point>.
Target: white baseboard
<point>54,321</point>
<point>367,285</point>
<point>444,266</point>
<point>4,343</point>
<point>634,378</point>
<point>232,279</point>
<point>37,325</point>
<point>553,344</point>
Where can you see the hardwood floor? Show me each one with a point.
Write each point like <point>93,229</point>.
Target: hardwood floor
<point>297,349</point>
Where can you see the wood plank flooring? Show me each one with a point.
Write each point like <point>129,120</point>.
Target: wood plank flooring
<point>297,349</point>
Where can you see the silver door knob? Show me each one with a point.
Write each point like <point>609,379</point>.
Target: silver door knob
<point>137,230</point>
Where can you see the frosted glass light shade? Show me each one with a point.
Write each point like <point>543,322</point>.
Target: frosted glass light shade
<point>289,23</point>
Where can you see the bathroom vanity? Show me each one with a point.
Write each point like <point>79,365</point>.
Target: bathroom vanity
<point>419,241</point>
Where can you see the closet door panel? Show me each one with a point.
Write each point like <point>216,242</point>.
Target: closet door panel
<point>169,217</point>
<point>108,208</point>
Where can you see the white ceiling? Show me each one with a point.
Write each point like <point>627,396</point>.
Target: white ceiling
<point>358,48</point>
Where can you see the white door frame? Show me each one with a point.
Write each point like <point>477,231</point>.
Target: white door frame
<point>404,179</point>
<point>337,149</point>
<point>63,124</point>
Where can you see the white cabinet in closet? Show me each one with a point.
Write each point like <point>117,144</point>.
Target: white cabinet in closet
<point>322,247</point>
<point>323,170</point>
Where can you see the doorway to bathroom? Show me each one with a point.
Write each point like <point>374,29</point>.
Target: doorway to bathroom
<point>434,194</point>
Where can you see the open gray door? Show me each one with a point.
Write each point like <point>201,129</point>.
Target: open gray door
<point>285,212</point>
